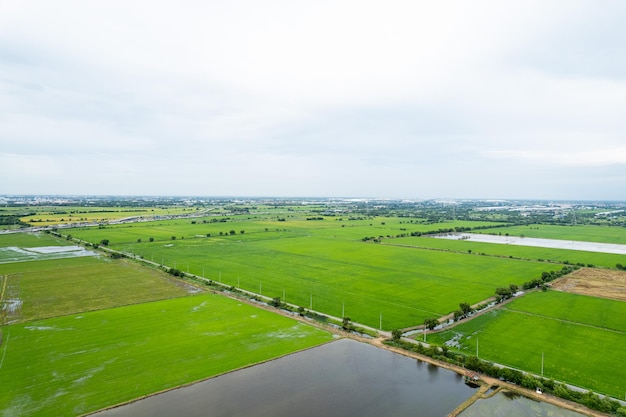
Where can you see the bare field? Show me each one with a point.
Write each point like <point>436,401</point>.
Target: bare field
<point>594,282</point>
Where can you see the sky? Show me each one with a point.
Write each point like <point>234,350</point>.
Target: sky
<point>395,99</point>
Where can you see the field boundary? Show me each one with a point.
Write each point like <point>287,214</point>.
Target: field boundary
<point>565,321</point>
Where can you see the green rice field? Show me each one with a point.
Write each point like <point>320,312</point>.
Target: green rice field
<point>70,365</point>
<point>585,233</point>
<point>51,288</point>
<point>325,265</point>
<point>525,252</point>
<point>581,338</point>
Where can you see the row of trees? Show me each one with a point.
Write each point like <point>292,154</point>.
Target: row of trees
<point>513,376</point>
<point>548,276</point>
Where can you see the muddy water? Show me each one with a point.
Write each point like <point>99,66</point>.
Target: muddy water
<point>511,405</point>
<point>343,378</point>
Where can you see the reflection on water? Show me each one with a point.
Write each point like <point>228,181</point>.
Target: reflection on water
<point>507,404</point>
<point>343,378</point>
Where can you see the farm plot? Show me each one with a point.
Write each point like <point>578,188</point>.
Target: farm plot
<point>524,252</point>
<point>346,278</point>
<point>594,282</point>
<point>31,240</point>
<point>42,289</point>
<point>584,233</point>
<point>569,330</point>
<point>67,366</point>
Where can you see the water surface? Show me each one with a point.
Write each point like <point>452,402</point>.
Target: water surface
<point>537,242</point>
<point>511,405</point>
<point>342,378</point>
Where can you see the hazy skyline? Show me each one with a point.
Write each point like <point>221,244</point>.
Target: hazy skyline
<point>401,99</point>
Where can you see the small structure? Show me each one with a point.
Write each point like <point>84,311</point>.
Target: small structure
<point>539,390</point>
<point>471,378</point>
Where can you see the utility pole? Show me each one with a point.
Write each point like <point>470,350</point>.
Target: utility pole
<point>311,302</point>
<point>381,321</point>
<point>476,347</point>
<point>542,364</point>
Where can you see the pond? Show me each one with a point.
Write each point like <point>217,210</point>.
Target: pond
<point>505,404</point>
<point>342,378</point>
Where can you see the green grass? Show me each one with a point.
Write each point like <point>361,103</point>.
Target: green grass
<point>325,261</point>
<point>585,233</point>
<point>71,365</point>
<point>64,286</point>
<point>581,340</point>
<point>516,251</point>
<point>581,309</point>
<point>359,279</point>
<point>31,240</point>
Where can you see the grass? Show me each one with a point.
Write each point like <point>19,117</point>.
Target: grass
<point>581,340</point>
<point>64,286</point>
<point>357,279</point>
<point>581,309</point>
<point>31,240</point>
<point>585,233</point>
<point>325,264</point>
<point>524,252</point>
<point>76,364</point>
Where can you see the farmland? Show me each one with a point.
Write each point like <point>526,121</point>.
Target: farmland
<point>325,265</point>
<point>84,333</point>
<point>523,252</point>
<point>51,288</point>
<point>74,364</point>
<point>570,330</point>
<point>377,269</point>
<point>586,233</point>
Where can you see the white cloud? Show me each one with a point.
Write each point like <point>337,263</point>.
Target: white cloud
<point>360,97</point>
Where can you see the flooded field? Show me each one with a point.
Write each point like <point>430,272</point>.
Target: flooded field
<point>505,404</point>
<point>343,378</point>
<point>15,254</point>
<point>541,243</point>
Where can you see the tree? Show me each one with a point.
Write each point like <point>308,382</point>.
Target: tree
<point>458,315</point>
<point>396,334</point>
<point>503,294</point>
<point>151,239</point>
<point>173,237</point>
<point>104,242</point>
<point>431,322</point>
<point>465,308</point>
<point>346,325</point>
<point>276,302</point>
<point>232,232</point>
<point>138,240</point>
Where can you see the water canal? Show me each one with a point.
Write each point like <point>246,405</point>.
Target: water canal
<point>342,378</point>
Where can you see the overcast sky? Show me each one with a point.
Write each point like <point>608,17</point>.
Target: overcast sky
<point>393,99</point>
